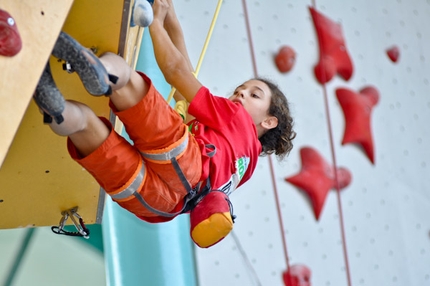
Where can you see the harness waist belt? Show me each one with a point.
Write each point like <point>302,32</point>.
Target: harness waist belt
<point>167,156</point>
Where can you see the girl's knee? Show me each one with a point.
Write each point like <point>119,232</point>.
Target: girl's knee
<point>76,117</point>
<point>131,93</point>
<point>117,66</point>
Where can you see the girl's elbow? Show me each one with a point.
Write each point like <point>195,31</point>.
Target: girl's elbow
<point>173,74</point>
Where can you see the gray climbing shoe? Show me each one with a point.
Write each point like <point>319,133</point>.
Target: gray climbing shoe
<point>48,97</point>
<point>89,68</point>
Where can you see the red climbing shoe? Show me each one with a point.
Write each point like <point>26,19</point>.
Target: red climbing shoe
<point>10,41</point>
<point>89,68</point>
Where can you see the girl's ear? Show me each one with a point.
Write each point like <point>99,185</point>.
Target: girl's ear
<point>270,122</point>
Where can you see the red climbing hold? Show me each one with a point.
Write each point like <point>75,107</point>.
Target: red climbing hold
<point>357,108</point>
<point>297,275</point>
<point>393,53</point>
<point>334,57</point>
<point>285,59</point>
<point>317,178</point>
<point>10,40</point>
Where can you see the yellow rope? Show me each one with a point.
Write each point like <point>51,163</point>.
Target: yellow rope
<point>205,46</point>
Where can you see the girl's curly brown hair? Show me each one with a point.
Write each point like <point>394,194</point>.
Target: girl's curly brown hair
<point>278,140</point>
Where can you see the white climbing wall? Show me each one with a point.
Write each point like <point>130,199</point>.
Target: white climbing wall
<point>386,208</point>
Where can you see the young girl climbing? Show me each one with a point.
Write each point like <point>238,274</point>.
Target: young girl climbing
<point>169,162</point>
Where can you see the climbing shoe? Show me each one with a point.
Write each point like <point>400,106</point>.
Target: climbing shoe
<point>89,68</point>
<point>48,97</point>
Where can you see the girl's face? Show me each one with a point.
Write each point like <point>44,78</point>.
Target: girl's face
<point>255,96</point>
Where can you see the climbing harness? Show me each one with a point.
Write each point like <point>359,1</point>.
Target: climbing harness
<point>82,230</point>
<point>194,195</point>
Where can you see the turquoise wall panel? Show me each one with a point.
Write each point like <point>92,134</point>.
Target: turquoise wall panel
<point>139,253</point>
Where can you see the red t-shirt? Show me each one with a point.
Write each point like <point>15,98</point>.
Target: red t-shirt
<point>227,126</point>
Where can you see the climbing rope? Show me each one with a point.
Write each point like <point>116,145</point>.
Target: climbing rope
<point>333,155</point>
<point>245,258</point>
<point>205,46</point>
<point>272,171</point>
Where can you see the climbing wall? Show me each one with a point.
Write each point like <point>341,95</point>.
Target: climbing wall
<point>38,179</point>
<point>18,47</point>
<point>372,228</point>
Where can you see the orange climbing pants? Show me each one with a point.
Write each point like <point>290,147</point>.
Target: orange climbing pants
<point>154,127</point>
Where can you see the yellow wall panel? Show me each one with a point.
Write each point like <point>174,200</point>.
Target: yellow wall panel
<point>38,179</point>
<point>39,23</point>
